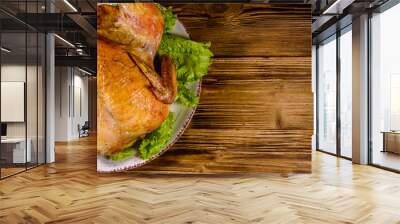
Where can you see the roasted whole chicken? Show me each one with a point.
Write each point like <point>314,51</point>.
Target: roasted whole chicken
<point>133,96</point>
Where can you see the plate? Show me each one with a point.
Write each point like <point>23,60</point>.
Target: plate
<point>183,116</point>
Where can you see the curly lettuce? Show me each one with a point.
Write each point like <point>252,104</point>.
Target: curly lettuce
<point>186,96</point>
<point>192,60</point>
<point>156,140</point>
<point>124,154</point>
<point>169,18</point>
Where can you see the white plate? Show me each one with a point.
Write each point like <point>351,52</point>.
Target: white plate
<point>183,115</point>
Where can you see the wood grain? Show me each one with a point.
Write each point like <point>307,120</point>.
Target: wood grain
<point>256,106</point>
<point>250,29</point>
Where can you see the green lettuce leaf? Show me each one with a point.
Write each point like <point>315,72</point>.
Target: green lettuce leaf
<point>156,140</point>
<point>169,18</point>
<point>192,60</point>
<point>186,96</point>
<point>126,153</point>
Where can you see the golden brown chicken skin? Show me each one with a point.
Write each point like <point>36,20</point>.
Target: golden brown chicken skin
<point>137,26</point>
<point>127,108</point>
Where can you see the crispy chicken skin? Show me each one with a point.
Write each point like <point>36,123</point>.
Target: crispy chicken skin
<point>127,108</point>
<point>133,100</point>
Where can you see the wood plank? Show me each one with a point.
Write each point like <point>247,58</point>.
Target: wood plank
<point>254,93</point>
<point>256,107</point>
<point>249,29</point>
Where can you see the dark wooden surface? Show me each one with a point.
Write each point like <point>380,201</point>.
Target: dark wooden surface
<point>256,107</point>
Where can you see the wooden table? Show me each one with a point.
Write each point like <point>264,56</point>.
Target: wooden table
<point>256,107</point>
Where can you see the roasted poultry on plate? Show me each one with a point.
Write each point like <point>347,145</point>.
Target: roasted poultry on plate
<point>148,82</point>
<point>133,96</point>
